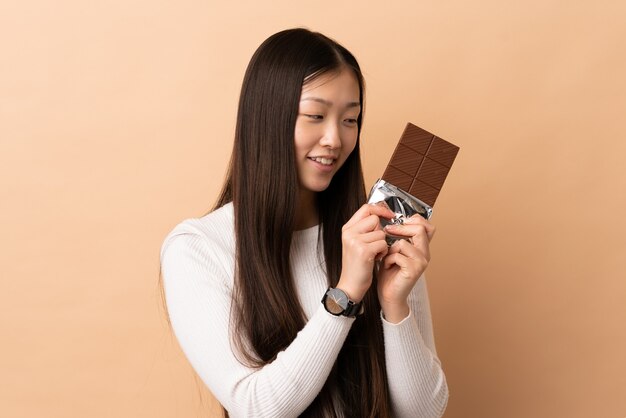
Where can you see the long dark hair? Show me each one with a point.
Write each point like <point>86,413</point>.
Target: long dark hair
<point>264,192</point>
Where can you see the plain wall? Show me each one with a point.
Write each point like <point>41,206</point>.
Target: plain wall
<point>116,122</point>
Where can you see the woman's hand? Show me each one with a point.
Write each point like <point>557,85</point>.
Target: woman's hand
<point>403,265</point>
<point>363,242</point>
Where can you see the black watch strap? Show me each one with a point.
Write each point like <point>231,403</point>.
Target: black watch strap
<point>353,309</point>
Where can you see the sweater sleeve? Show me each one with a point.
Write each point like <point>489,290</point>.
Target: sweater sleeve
<point>417,384</point>
<point>198,297</point>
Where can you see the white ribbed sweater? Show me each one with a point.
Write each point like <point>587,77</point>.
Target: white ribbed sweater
<point>197,260</point>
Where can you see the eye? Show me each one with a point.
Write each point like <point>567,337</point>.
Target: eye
<point>314,117</point>
<point>350,121</point>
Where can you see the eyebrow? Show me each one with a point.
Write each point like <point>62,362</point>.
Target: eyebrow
<point>328,103</point>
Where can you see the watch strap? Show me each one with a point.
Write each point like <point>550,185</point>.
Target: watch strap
<point>353,309</point>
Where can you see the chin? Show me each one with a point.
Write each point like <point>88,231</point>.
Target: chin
<point>317,187</point>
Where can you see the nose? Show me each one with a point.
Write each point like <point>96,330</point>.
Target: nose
<point>331,137</point>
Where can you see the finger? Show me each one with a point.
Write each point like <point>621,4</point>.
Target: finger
<point>396,259</point>
<point>409,265</point>
<point>394,248</point>
<point>419,250</point>
<point>379,249</point>
<point>382,203</point>
<point>370,223</point>
<point>368,210</point>
<point>363,212</point>
<point>380,210</point>
<point>373,236</point>
<point>421,247</point>
<point>405,248</point>
<point>419,220</point>
<point>407,230</point>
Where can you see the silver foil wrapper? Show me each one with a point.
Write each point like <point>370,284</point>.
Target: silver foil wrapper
<point>400,202</point>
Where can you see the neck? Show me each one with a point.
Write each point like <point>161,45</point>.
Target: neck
<point>306,212</point>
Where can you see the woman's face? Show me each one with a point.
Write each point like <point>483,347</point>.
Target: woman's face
<point>326,128</point>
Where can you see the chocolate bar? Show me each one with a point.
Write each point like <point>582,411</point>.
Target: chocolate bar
<point>420,164</point>
<point>414,176</point>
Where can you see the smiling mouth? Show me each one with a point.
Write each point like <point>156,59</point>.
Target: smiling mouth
<point>323,161</point>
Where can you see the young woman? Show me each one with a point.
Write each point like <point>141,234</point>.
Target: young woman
<point>285,298</point>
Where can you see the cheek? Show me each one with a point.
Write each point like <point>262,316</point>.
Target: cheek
<point>350,143</point>
<point>304,139</point>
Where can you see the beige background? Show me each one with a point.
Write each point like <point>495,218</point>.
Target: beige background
<point>116,121</point>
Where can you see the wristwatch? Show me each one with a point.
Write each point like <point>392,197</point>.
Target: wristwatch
<point>337,303</point>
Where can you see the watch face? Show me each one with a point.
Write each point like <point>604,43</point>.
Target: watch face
<point>336,301</point>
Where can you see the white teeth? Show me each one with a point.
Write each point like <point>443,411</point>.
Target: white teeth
<point>324,161</point>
